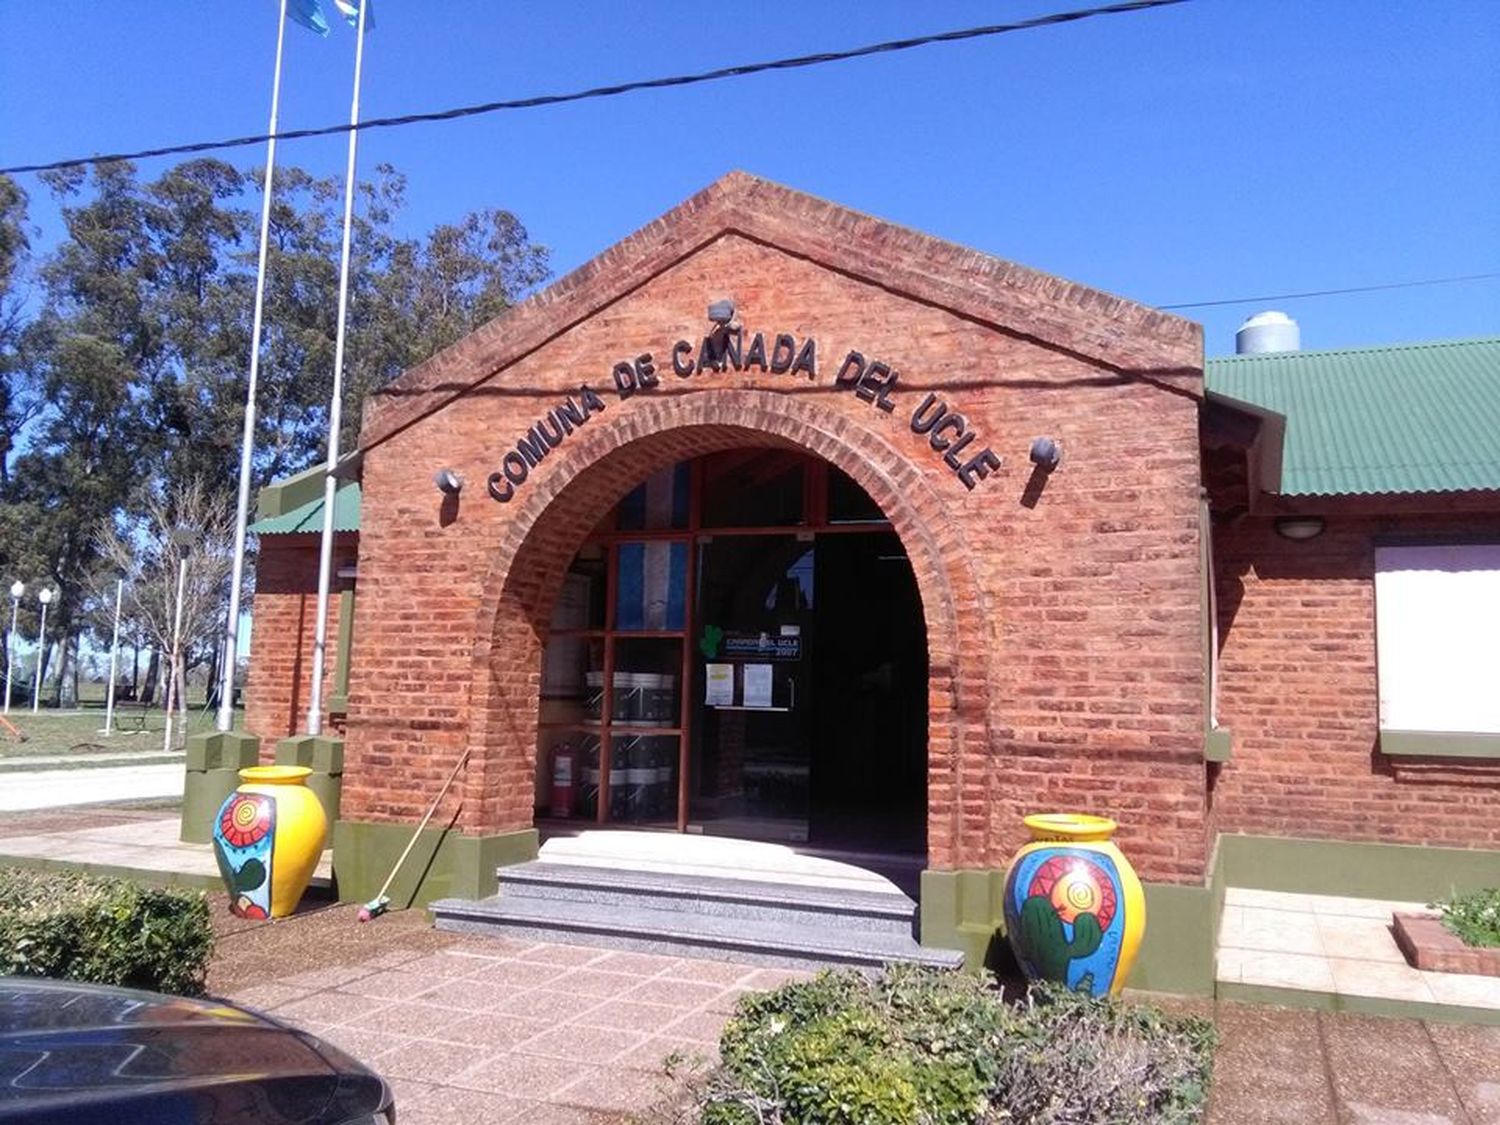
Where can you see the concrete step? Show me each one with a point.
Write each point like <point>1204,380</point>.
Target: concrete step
<point>751,899</point>
<point>802,945</point>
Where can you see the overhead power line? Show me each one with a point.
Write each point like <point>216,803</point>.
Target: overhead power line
<point>1332,292</point>
<point>739,71</point>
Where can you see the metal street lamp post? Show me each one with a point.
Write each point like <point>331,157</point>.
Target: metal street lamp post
<point>45,596</point>
<point>16,591</point>
<point>172,685</point>
<point>114,656</point>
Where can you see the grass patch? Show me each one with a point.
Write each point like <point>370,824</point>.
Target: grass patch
<point>919,1046</point>
<point>1474,918</point>
<point>61,733</point>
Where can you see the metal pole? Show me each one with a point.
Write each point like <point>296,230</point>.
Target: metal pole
<point>10,651</point>
<point>224,719</point>
<point>176,642</point>
<point>41,651</point>
<point>335,407</point>
<point>114,655</point>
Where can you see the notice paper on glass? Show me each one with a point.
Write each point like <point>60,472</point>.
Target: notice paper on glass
<point>757,685</point>
<point>720,685</point>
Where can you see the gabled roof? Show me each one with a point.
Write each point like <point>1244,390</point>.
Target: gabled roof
<point>1400,418</point>
<point>1112,332</point>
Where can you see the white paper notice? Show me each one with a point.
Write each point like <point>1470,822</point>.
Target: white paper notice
<point>757,685</point>
<point>720,685</point>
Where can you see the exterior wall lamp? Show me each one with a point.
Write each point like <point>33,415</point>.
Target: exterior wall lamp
<point>1299,527</point>
<point>448,482</point>
<point>1046,454</point>
<point>721,312</point>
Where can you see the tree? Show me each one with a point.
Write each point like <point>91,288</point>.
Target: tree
<point>186,523</point>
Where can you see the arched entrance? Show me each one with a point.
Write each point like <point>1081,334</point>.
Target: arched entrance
<point>739,649</point>
<point>554,520</point>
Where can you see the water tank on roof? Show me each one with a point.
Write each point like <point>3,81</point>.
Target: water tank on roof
<point>1269,331</point>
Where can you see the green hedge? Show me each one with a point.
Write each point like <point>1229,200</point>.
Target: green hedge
<point>105,931</point>
<point>923,1047</point>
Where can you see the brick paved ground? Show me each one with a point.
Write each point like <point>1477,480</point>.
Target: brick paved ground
<point>480,1030</point>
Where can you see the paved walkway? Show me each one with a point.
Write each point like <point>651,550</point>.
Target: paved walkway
<point>45,789</point>
<point>483,1030</point>
<point>1336,946</point>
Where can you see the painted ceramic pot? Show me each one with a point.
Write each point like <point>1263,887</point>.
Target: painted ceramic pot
<point>1074,911</point>
<point>267,839</point>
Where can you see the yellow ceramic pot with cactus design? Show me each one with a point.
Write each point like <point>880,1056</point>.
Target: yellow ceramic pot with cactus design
<point>267,839</point>
<point>1074,910</point>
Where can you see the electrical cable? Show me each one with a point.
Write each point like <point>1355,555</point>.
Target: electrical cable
<point>739,71</point>
<point>1331,292</point>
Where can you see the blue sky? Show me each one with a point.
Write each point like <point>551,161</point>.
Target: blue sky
<point>1216,149</point>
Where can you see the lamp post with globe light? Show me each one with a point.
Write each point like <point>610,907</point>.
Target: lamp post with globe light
<point>17,589</point>
<point>44,596</point>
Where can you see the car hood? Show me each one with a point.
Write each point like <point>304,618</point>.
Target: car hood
<point>72,1045</point>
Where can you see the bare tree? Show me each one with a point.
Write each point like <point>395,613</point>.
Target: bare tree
<point>183,522</point>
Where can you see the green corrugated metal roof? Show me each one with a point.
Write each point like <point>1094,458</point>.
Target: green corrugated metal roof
<point>1366,421</point>
<point>309,516</point>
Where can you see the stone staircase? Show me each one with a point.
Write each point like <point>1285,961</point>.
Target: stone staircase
<point>751,920</point>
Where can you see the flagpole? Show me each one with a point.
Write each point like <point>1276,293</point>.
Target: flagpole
<point>224,718</point>
<point>335,404</point>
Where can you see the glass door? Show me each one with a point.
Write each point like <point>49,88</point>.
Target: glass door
<point>751,756</point>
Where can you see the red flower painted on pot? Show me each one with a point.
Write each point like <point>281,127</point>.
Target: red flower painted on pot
<point>243,907</point>
<point>246,820</point>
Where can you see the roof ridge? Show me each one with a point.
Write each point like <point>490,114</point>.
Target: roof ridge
<point>1362,349</point>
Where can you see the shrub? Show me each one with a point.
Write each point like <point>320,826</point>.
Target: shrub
<point>1474,917</point>
<point>105,931</point>
<point>923,1047</point>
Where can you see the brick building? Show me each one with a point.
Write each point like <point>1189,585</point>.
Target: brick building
<point>779,520</point>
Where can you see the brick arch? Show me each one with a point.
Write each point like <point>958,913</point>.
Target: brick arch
<point>553,514</point>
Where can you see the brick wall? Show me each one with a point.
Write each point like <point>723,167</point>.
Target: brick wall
<point>1297,688</point>
<point>281,635</point>
<point>1062,613</point>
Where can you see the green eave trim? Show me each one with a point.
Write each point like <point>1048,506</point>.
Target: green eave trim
<point>1217,744</point>
<point>308,517</point>
<point>1439,744</point>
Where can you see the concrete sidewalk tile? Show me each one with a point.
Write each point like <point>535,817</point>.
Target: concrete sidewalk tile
<point>393,984</point>
<point>451,1105</point>
<point>704,971</point>
<point>1385,1067</point>
<point>1379,979</point>
<point>1273,900</point>
<point>264,997</point>
<point>617,1089</point>
<point>595,982</point>
<point>637,964</point>
<point>491,1032</point>
<point>406,1017</point>
<point>552,1005</point>
<point>331,1008</point>
<point>1269,1068</point>
<point>1286,970</point>
<point>1464,988</point>
<point>1360,939</point>
<point>518,1075</point>
<point>1279,931</point>
<point>519,974</point>
<point>767,979</point>
<point>549,1113</point>
<point>427,1060</point>
<point>1372,908</point>
<point>593,1045</point>
<point>1471,1055</point>
<point>700,1027</point>
<point>318,979</point>
<point>728,1001</point>
<point>469,995</point>
<point>448,963</point>
<point>364,1045</point>
<point>566,956</point>
<point>631,1015</point>
<point>683,995</point>
<point>410,1098</point>
<point>653,1053</point>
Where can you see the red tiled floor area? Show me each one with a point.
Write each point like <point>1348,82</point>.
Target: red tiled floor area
<point>481,1030</point>
<point>486,1030</point>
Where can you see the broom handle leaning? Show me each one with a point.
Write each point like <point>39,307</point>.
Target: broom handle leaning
<point>432,808</point>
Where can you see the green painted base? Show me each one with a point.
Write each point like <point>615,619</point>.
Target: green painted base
<point>325,757</point>
<point>443,864</point>
<point>213,764</point>
<point>1404,872</point>
<point>963,910</point>
<point>1359,1005</point>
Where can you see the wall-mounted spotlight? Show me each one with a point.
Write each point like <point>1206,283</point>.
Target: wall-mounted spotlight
<point>448,482</point>
<point>721,312</point>
<point>349,571</point>
<point>1046,454</point>
<point>1299,527</point>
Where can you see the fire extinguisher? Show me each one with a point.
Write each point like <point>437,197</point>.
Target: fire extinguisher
<point>563,779</point>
